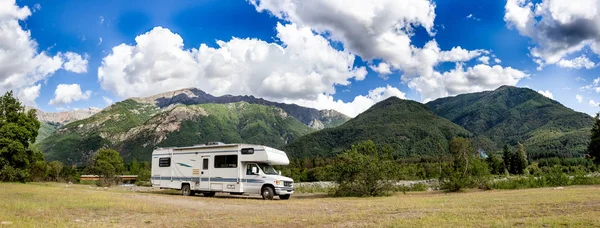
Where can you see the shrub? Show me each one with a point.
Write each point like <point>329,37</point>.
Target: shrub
<point>107,163</point>
<point>364,170</point>
<point>465,170</point>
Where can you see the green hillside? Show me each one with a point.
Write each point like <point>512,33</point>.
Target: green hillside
<point>135,129</point>
<point>75,142</point>
<point>46,129</point>
<point>408,126</point>
<point>509,115</point>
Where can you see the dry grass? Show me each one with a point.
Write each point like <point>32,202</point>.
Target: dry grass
<point>51,205</point>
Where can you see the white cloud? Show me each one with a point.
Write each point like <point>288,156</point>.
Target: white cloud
<point>304,66</point>
<point>484,59</point>
<point>100,42</point>
<point>478,78</point>
<point>358,105</point>
<point>28,95</point>
<point>497,60</point>
<point>75,63</point>
<point>37,7</point>
<point>470,16</point>
<point>382,30</point>
<point>101,20</point>
<point>546,93</point>
<point>21,66</point>
<point>382,69</point>
<point>107,100</point>
<point>577,63</point>
<point>457,54</point>
<point>65,94</point>
<point>579,98</point>
<point>594,103</point>
<point>557,27</point>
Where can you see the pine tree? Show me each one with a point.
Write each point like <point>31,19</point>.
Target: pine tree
<point>507,159</point>
<point>520,161</point>
<point>594,146</point>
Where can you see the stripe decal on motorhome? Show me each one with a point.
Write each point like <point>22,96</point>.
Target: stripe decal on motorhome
<point>215,179</point>
<point>223,151</point>
<point>184,165</point>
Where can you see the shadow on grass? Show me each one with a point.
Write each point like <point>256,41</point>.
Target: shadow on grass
<point>244,197</point>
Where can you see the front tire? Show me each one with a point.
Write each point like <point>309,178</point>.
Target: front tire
<point>284,197</point>
<point>267,193</point>
<point>185,190</point>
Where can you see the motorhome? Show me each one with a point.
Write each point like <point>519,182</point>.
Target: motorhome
<point>217,167</point>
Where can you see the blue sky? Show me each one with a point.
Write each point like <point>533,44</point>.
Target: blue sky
<point>92,29</point>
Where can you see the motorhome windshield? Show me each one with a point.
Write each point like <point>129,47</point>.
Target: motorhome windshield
<point>268,169</point>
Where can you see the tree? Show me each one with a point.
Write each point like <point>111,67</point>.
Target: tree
<point>18,130</point>
<point>364,170</point>
<point>107,163</point>
<point>54,170</point>
<point>465,170</point>
<point>495,164</point>
<point>520,159</point>
<point>507,157</point>
<point>594,146</point>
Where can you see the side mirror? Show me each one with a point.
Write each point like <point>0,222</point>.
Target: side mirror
<point>254,170</point>
<point>279,172</point>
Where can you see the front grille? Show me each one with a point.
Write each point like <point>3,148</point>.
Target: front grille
<point>287,183</point>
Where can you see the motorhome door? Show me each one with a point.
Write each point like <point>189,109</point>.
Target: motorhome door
<point>205,173</point>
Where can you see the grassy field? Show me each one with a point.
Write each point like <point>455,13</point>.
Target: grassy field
<point>51,205</point>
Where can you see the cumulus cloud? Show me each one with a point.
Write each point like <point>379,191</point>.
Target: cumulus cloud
<point>21,65</point>
<point>484,59</point>
<point>28,95</point>
<point>557,27</point>
<point>497,60</point>
<point>579,98</point>
<point>546,93</point>
<point>460,80</point>
<point>382,69</point>
<point>577,63</point>
<point>304,66</point>
<point>75,62</point>
<point>67,93</point>
<point>594,103</point>
<point>358,105</point>
<point>381,30</point>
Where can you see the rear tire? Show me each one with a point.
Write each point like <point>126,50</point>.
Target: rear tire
<point>267,193</point>
<point>208,194</point>
<point>284,197</point>
<point>185,190</point>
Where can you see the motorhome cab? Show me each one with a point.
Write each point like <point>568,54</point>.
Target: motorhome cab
<point>218,167</point>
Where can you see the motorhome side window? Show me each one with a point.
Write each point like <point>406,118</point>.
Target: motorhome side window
<point>226,161</point>
<point>248,151</point>
<point>249,169</point>
<point>164,162</point>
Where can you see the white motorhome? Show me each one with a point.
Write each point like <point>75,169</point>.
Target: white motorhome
<point>218,167</point>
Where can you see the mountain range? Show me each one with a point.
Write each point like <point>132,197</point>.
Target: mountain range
<point>492,119</point>
<point>184,117</point>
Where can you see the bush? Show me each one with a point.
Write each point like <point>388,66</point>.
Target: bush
<point>552,178</point>
<point>418,187</point>
<point>465,170</point>
<point>364,170</point>
<point>107,163</point>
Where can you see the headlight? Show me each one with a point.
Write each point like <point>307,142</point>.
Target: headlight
<point>278,182</point>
